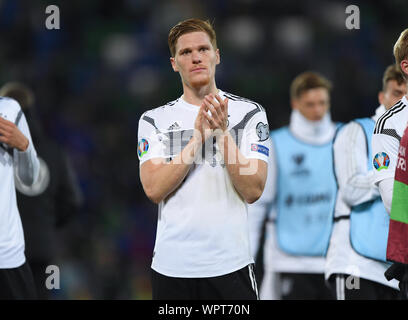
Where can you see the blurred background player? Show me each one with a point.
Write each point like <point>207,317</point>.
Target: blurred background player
<point>17,154</point>
<point>356,259</point>
<point>299,196</point>
<point>52,201</point>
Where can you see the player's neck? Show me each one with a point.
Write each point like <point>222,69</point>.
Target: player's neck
<point>196,96</point>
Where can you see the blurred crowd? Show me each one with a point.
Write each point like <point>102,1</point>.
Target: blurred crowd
<point>109,62</point>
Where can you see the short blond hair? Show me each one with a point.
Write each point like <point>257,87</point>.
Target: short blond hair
<point>188,26</point>
<point>306,81</point>
<point>401,50</point>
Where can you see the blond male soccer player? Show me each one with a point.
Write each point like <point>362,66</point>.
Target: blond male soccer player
<point>17,157</point>
<point>388,132</point>
<point>356,259</point>
<point>203,157</point>
<point>299,196</point>
<point>389,129</point>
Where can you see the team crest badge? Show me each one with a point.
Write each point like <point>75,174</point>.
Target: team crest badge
<point>381,161</point>
<point>142,147</point>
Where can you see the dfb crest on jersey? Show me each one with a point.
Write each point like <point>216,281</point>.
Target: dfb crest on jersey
<point>262,131</point>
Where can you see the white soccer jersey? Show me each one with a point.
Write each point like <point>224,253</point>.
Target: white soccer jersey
<point>356,186</point>
<point>202,227</point>
<point>11,231</point>
<point>275,259</point>
<point>388,131</point>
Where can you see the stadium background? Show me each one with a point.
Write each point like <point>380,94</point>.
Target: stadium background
<point>109,63</point>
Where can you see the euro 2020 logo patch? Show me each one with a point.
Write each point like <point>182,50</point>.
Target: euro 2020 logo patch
<point>381,161</point>
<point>142,147</point>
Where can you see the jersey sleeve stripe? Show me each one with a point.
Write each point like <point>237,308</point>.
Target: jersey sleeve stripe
<point>20,114</point>
<point>238,98</point>
<point>381,121</point>
<point>244,121</point>
<point>172,103</point>
<point>237,130</point>
<point>392,133</point>
<point>150,120</point>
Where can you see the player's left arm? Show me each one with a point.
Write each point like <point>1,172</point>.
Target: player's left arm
<point>248,174</point>
<point>385,147</point>
<point>350,158</point>
<point>26,163</point>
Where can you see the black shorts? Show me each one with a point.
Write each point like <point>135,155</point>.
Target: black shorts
<point>305,286</point>
<point>17,283</point>
<point>238,285</point>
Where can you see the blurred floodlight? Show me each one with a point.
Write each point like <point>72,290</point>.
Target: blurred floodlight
<point>243,33</point>
<point>293,34</point>
<point>334,15</point>
<point>144,81</point>
<point>165,16</point>
<point>119,50</point>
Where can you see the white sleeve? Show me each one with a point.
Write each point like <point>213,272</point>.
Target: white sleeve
<point>354,178</point>
<point>255,142</point>
<point>386,187</point>
<point>258,211</point>
<point>150,144</point>
<point>384,156</point>
<point>26,163</point>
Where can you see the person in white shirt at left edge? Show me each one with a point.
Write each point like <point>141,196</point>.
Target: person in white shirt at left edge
<point>18,160</point>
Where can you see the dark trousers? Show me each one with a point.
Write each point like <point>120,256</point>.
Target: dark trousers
<point>346,287</point>
<point>238,285</point>
<point>17,283</point>
<point>305,286</point>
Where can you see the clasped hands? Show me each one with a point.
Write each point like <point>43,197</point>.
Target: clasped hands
<point>215,123</point>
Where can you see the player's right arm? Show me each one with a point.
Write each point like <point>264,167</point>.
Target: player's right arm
<point>159,177</point>
<point>385,146</point>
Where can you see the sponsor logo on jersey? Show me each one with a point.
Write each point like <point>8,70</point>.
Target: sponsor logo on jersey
<point>262,131</point>
<point>175,126</point>
<point>143,147</point>
<point>260,148</point>
<point>307,199</point>
<point>381,161</point>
